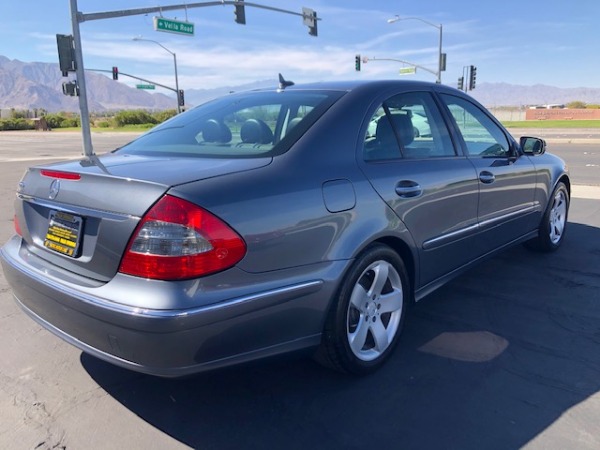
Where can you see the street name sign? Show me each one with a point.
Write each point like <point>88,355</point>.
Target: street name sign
<point>408,70</point>
<point>145,86</point>
<point>173,26</point>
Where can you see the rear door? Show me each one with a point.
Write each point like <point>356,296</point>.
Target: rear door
<point>411,162</point>
<point>506,179</point>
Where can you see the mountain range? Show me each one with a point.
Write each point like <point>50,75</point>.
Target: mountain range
<point>39,85</point>
<point>34,85</point>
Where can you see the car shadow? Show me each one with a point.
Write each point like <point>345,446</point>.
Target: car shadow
<point>491,360</point>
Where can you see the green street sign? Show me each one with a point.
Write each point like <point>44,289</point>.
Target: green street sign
<point>145,86</point>
<point>173,26</point>
<point>408,70</point>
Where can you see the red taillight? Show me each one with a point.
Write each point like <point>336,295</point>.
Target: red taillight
<point>17,226</point>
<point>176,240</point>
<point>60,175</point>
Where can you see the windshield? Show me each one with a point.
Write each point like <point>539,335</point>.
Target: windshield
<point>245,125</point>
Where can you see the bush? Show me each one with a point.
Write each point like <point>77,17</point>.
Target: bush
<point>162,116</point>
<point>16,124</point>
<point>71,122</point>
<point>103,124</point>
<point>59,120</point>
<point>134,117</point>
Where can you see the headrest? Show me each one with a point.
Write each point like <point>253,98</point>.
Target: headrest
<point>403,125</point>
<point>214,131</point>
<point>256,131</point>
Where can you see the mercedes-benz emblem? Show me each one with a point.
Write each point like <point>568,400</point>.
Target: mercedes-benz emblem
<point>54,189</point>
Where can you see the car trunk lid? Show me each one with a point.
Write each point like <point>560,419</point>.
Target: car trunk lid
<point>80,215</point>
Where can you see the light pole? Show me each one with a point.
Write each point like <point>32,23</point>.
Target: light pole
<point>439,27</point>
<point>139,38</point>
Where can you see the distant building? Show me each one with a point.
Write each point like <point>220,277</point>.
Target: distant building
<point>550,106</point>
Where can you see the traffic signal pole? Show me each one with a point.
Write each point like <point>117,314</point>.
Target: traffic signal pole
<point>309,18</point>
<point>86,129</point>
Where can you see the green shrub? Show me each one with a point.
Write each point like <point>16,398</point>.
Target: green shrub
<point>133,117</point>
<point>162,116</point>
<point>55,120</point>
<point>16,124</point>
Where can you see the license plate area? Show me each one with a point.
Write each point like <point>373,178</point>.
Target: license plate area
<point>64,233</point>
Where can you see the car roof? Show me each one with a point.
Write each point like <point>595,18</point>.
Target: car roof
<point>352,85</point>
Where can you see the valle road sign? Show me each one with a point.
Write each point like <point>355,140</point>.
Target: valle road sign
<point>408,70</point>
<point>173,26</point>
<point>145,86</point>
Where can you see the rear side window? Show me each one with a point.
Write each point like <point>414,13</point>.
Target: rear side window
<point>246,125</point>
<point>407,126</point>
<point>481,135</point>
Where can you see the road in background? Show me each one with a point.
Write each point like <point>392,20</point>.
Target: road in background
<point>40,145</point>
<point>505,356</point>
<point>581,154</point>
<point>579,147</point>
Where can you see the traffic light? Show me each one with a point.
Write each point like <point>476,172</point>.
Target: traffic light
<point>240,12</point>
<point>472,77</point>
<point>309,18</point>
<point>66,54</point>
<point>180,98</point>
<point>70,88</point>
<point>357,63</point>
<point>461,83</point>
<point>115,73</point>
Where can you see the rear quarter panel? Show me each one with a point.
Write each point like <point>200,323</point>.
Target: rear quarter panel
<point>280,209</point>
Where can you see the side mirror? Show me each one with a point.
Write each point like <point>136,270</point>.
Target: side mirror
<point>532,145</point>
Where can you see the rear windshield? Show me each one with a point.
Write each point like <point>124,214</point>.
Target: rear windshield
<point>245,125</point>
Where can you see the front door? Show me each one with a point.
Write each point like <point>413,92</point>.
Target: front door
<point>506,178</point>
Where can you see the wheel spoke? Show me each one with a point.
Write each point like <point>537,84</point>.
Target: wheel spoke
<point>380,336</point>
<point>381,276</point>
<point>359,337</point>
<point>358,297</point>
<point>391,302</point>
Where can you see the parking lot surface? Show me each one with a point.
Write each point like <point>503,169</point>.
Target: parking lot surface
<point>505,356</point>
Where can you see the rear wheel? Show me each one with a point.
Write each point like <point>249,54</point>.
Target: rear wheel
<point>366,319</point>
<point>554,223</point>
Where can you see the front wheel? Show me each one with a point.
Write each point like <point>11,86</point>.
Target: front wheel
<point>554,222</point>
<point>366,318</point>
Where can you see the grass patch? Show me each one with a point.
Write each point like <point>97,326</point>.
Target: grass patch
<point>552,124</point>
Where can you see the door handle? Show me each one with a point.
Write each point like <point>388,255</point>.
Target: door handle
<point>487,177</point>
<point>408,189</point>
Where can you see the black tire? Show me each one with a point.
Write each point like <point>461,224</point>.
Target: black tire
<point>554,222</point>
<point>367,316</point>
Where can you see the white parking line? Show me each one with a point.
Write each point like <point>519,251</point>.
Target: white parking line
<point>587,192</point>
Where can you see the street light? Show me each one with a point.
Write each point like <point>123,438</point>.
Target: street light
<point>139,38</point>
<point>439,27</point>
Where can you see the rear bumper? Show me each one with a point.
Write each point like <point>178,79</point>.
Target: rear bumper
<point>266,320</point>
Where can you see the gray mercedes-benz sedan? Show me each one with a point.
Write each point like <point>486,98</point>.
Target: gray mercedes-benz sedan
<point>263,222</point>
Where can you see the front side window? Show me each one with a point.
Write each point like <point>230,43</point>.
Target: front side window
<point>407,126</point>
<point>245,125</point>
<point>481,135</point>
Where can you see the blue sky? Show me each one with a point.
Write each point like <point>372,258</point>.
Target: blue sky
<point>520,42</point>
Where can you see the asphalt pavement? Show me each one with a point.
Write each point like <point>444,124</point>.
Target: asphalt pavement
<point>505,356</point>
